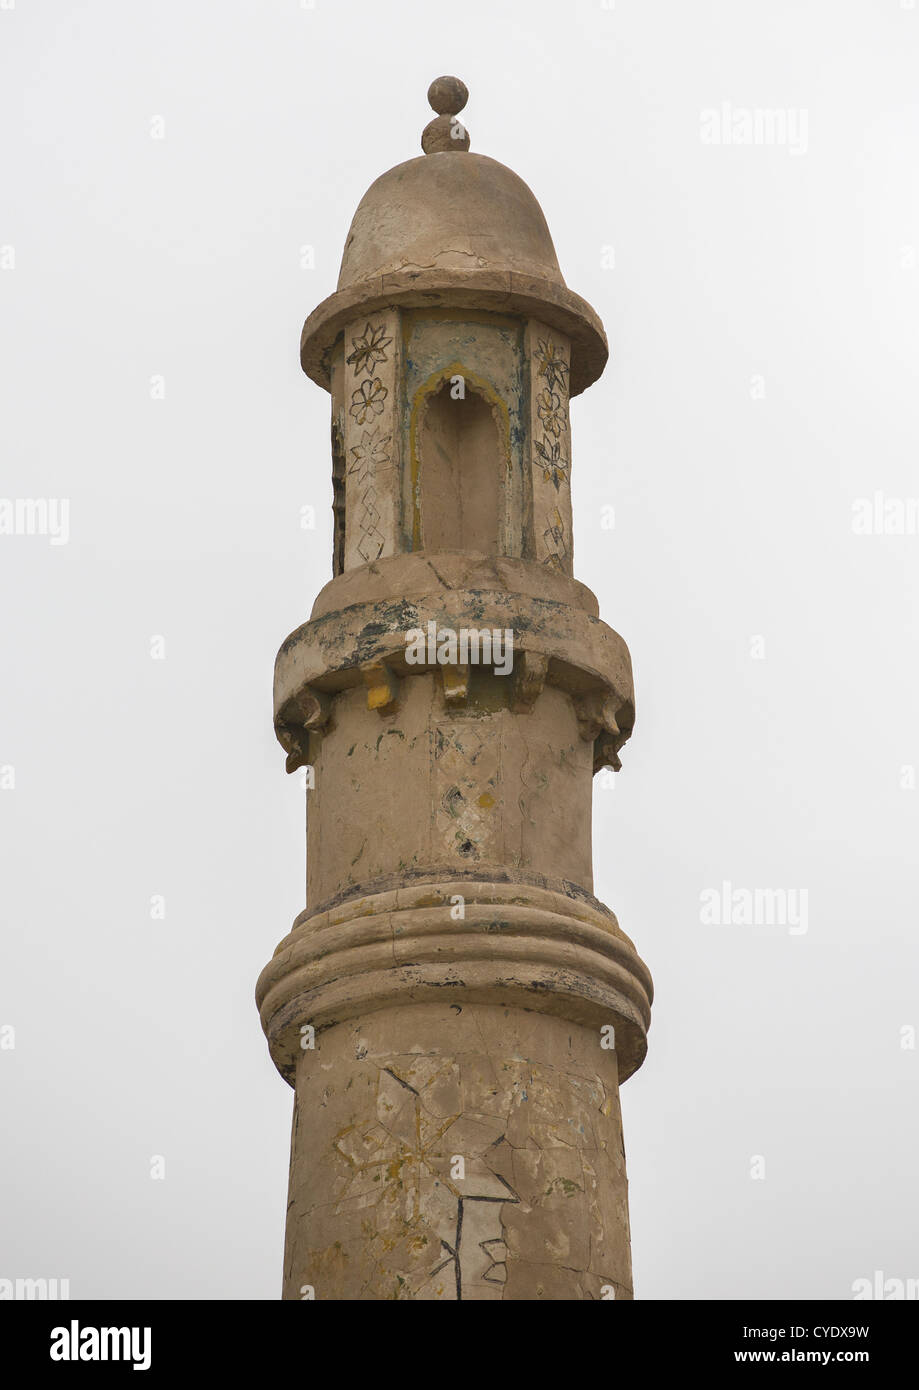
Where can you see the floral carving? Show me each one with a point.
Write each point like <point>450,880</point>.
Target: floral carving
<point>554,467</point>
<point>370,454</point>
<point>554,539</point>
<point>368,400</point>
<point>551,450</point>
<point>551,364</point>
<point>369,349</point>
<point>550,411</point>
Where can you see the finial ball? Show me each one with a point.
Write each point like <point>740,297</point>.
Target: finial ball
<point>448,95</point>
<point>444,135</point>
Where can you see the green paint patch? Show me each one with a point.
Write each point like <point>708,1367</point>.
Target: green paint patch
<point>567,1187</point>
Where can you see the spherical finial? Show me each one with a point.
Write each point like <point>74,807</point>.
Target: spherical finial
<point>448,96</point>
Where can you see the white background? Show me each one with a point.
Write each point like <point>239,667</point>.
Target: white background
<point>181,257</point>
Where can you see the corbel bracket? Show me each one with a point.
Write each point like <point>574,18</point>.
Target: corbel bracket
<point>597,724</point>
<point>382,687</point>
<point>307,712</point>
<point>456,685</point>
<point>530,670</point>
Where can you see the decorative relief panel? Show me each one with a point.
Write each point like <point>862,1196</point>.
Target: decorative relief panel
<point>549,357</point>
<point>371,403</point>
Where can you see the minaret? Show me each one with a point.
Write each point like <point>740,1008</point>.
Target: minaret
<point>454,1008</point>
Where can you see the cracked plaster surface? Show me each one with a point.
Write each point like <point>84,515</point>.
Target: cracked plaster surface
<point>379,1207</point>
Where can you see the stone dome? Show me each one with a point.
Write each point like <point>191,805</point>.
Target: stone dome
<point>450,211</point>
<point>458,230</point>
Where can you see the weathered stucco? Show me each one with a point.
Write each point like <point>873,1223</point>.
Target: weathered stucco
<point>455,1009</point>
<point>429,789</point>
<point>385,1105</point>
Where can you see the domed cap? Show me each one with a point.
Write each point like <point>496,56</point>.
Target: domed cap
<point>455,229</point>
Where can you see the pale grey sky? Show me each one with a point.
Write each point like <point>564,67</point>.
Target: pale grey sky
<point>761,306</point>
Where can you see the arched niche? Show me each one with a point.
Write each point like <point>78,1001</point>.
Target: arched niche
<point>461,458</point>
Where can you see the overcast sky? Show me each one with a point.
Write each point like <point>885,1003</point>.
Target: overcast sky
<point>163,168</point>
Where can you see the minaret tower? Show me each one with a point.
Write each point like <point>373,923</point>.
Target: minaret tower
<point>454,1008</point>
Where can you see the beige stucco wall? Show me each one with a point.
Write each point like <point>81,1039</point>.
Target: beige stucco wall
<point>428,788</point>
<point>386,1104</point>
